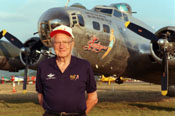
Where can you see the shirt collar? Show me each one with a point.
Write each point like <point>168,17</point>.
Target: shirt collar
<point>72,62</point>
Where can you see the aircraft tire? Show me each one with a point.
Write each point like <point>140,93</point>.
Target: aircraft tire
<point>171,91</point>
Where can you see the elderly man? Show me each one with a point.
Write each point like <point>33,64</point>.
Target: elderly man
<point>63,80</point>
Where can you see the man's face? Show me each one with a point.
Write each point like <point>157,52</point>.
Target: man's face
<point>63,45</point>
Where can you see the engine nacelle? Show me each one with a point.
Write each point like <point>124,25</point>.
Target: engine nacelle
<point>156,51</point>
<point>33,56</point>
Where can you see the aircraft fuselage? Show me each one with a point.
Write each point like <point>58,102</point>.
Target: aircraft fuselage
<point>115,50</point>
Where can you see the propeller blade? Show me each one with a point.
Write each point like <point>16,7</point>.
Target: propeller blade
<point>172,38</point>
<point>1,35</point>
<point>37,45</point>
<point>12,39</point>
<point>25,76</point>
<point>164,76</point>
<point>141,31</point>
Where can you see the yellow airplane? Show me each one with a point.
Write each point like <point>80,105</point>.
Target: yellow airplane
<point>110,79</point>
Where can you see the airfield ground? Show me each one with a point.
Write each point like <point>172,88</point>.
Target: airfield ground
<point>128,99</point>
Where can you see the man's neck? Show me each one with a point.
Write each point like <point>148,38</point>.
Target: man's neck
<point>63,60</point>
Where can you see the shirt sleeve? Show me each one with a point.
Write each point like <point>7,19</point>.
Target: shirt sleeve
<point>91,83</point>
<point>39,87</point>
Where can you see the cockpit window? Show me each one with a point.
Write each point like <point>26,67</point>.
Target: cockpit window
<point>117,14</point>
<point>81,20</point>
<point>96,25</point>
<point>103,10</point>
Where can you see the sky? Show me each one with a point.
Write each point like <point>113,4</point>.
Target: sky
<point>20,17</point>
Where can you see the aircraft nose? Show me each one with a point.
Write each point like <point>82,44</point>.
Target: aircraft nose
<point>49,20</point>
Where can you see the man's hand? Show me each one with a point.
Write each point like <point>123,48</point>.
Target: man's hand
<point>91,101</point>
<point>40,98</point>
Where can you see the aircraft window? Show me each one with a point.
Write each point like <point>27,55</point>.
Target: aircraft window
<point>73,17</point>
<point>81,20</point>
<point>106,11</point>
<point>54,23</point>
<point>117,14</point>
<point>106,28</point>
<point>74,22</point>
<point>96,25</point>
<point>125,17</point>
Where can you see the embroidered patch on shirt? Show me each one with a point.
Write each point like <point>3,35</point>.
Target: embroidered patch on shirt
<point>51,76</point>
<point>74,77</point>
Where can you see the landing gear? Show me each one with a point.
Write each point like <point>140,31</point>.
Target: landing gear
<point>171,91</point>
<point>119,80</point>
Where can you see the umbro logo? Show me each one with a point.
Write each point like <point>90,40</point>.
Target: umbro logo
<point>51,76</point>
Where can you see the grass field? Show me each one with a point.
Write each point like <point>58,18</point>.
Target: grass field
<point>129,99</point>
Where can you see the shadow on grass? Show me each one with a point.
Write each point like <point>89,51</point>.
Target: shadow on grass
<point>18,98</point>
<point>151,107</point>
<point>107,96</point>
<point>130,96</point>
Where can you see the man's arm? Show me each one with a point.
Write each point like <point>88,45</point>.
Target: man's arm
<point>91,101</point>
<point>40,98</point>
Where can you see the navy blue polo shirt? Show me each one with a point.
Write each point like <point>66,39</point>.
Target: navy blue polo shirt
<point>65,92</point>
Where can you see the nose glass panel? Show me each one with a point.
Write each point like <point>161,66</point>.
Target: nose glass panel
<point>49,20</point>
